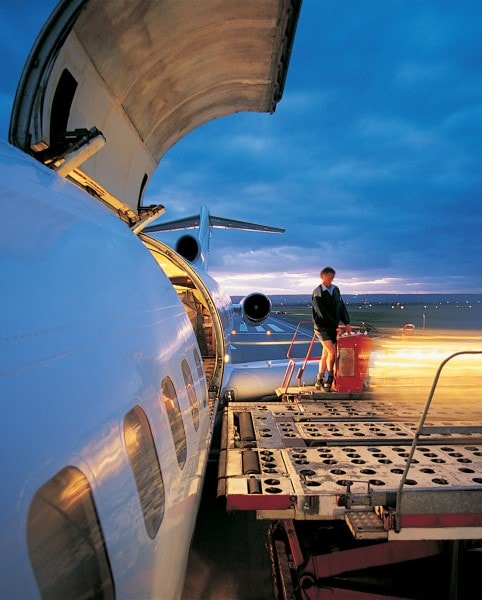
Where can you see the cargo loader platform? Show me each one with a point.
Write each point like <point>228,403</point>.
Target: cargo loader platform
<point>403,479</point>
<point>379,463</point>
<point>344,459</point>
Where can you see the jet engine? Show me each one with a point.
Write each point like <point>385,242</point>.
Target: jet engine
<point>189,248</point>
<point>254,308</point>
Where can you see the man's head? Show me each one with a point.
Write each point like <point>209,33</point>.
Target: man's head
<point>327,275</point>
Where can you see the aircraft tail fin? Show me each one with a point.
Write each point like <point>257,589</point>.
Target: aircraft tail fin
<point>196,249</point>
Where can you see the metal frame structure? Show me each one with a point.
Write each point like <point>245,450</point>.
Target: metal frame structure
<point>405,487</point>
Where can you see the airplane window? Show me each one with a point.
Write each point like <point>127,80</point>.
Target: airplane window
<point>147,471</point>
<point>186,373</point>
<point>65,541</point>
<point>175,420</point>
<point>200,372</point>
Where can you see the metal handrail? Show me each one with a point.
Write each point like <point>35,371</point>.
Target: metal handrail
<point>288,354</point>
<point>308,357</point>
<point>421,430</point>
<point>290,367</point>
<point>292,360</point>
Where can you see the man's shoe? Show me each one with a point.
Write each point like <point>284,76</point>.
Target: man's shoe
<point>319,383</point>
<point>328,383</point>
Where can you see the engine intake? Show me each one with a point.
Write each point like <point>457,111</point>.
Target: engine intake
<point>188,247</point>
<point>255,308</point>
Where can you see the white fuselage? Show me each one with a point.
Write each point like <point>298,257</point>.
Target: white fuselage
<point>91,327</point>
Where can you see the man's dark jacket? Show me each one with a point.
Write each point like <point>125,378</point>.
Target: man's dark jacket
<point>329,310</point>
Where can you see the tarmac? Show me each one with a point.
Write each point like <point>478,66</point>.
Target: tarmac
<point>228,558</point>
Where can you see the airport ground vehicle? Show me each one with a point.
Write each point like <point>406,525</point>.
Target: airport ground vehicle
<point>361,489</point>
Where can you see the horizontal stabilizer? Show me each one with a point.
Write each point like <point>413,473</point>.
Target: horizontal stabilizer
<point>221,223</point>
<point>215,222</point>
<point>178,225</point>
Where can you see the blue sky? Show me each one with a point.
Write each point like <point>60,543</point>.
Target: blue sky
<point>372,161</point>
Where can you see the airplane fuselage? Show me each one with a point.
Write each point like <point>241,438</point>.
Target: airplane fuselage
<point>92,330</point>
<point>113,344</point>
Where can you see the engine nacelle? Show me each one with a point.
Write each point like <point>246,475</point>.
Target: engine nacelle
<point>189,248</point>
<point>255,308</point>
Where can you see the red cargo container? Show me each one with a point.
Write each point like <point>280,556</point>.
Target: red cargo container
<point>353,355</point>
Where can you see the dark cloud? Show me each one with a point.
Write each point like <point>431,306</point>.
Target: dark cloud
<point>371,161</point>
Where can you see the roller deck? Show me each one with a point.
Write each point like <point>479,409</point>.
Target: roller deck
<point>366,464</point>
<point>314,458</point>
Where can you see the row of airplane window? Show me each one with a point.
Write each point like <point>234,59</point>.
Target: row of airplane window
<point>65,540</point>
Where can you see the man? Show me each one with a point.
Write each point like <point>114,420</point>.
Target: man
<point>329,311</point>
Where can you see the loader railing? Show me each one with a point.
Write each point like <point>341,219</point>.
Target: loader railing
<point>422,429</point>
<point>290,368</point>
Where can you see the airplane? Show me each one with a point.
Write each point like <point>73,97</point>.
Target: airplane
<point>253,308</point>
<point>113,343</point>
<point>242,381</point>
<point>196,249</point>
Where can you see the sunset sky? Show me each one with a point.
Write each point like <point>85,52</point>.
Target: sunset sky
<point>372,161</point>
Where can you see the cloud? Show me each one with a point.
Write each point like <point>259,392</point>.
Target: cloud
<point>396,133</point>
<point>371,161</point>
